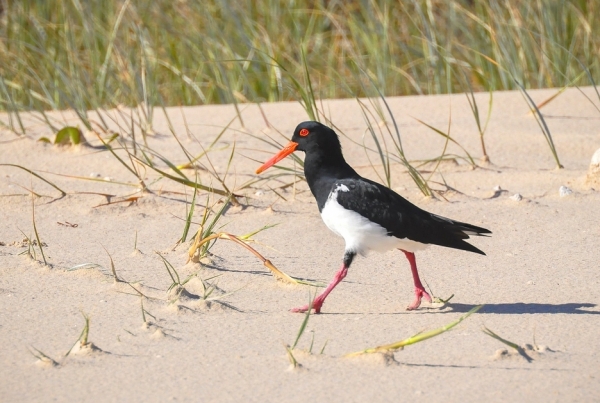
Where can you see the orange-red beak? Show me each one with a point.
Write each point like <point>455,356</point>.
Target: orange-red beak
<point>287,150</point>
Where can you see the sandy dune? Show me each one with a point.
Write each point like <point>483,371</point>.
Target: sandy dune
<point>540,280</point>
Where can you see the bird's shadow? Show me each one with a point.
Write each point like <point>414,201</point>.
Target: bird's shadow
<point>517,308</point>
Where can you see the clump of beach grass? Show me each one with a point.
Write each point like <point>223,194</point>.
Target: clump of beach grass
<point>62,56</point>
<point>83,345</point>
<point>42,358</point>
<point>112,72</point>
<point>524,351</point>
<point>206,236</point>
<point>33,243</point>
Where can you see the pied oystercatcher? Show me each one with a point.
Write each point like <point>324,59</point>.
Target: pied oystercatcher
<point>369,216</point>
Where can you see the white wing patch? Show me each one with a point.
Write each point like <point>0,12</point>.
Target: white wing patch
<point>340,186</point>
<point>360,234</point>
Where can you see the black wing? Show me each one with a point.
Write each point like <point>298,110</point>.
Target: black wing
<point>403,219</point>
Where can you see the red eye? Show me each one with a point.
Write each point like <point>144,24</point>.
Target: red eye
<point>304,132</point>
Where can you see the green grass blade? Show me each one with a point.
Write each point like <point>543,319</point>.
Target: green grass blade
<point>62,192</point>
<point>304,322</point>
<point>542,123</point>
<point>190,215</point>
<point>518,348</point>
<point>416,338</point>
<point>37,236</point>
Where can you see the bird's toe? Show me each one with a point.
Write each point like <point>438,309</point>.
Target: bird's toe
<point>419,294</point>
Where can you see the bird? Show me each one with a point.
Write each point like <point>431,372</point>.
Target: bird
<point>367,215</point>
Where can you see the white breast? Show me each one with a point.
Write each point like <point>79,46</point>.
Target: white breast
<point>360,234</point>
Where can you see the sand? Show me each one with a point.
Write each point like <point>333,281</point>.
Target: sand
<point>540,280</point>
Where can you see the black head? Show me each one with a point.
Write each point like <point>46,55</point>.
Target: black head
<point>313,136</point>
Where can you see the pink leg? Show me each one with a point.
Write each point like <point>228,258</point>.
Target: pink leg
<point>318,302</point>
<point>419,290</point>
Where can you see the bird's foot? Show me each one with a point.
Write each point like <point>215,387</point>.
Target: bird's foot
<point>318,301</point>
<point>419,293</point>
<point>316,306</point>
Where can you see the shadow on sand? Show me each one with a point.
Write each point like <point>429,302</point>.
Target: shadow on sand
<point>581,308</point>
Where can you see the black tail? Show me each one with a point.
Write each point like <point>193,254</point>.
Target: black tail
<point>454,234</point>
